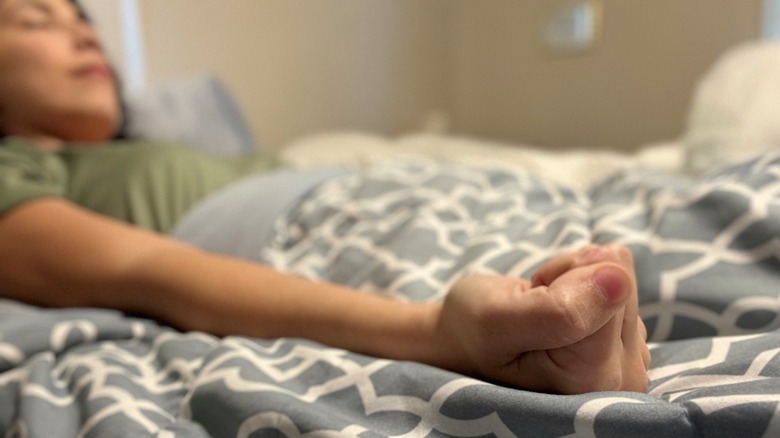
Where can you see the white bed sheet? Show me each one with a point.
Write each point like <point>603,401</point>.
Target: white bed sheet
<point>573,167</point>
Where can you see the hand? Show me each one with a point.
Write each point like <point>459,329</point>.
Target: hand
<point>574,328</point>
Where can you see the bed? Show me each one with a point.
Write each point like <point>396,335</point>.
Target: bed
<point>704,229</point>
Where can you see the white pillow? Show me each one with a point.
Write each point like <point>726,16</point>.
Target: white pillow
<point>196,110</point>
<point>736,108</point>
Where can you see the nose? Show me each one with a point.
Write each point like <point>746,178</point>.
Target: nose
<point>85,36</point>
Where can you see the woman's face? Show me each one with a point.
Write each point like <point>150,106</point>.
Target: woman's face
<point>55,83</point>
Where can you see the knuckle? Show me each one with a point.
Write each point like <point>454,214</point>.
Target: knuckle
<point>587,255</point>
<point>621,252</point>
<point>570,322</point>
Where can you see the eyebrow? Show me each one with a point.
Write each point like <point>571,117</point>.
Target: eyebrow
<point>47,8</point>
<point>36,4</point>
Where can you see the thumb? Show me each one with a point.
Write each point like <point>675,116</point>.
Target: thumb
<point>574,306</point>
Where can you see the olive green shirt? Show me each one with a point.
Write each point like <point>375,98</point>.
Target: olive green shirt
<point>147,184</point>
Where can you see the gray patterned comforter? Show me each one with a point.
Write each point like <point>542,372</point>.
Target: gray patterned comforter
<point>706,253</point>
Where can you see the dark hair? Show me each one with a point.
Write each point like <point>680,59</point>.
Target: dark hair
<point>122,128</point>
<point>82,13</point>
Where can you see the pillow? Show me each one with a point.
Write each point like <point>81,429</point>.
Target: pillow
<point>197,110</point>
<point>736,108</point>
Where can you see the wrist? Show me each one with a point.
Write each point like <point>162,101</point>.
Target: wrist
<point>412,335</point>
<point>436,344</point>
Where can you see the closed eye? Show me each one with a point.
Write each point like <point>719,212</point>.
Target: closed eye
<point>36,14</point>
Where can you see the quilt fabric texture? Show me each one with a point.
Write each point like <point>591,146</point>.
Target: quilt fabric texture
<point>706,257</point>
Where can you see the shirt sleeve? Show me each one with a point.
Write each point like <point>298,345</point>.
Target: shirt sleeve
<point>27,173</point>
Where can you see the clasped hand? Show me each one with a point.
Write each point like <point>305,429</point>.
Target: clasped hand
<point>573,328</point>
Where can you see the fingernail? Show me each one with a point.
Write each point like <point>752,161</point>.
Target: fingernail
<point>611,284</point>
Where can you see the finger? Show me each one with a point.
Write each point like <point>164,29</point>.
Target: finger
<point>615,356</point>
<point>621,255</point>
<point>633,333</point>
<point>642,330</point>
<point>636,355</point>
<point>593,349</point>
<point>554,268</point>
<point>646,357</point>
<point>576,305</point>
<point>593,364</point>
<point>588,255</point>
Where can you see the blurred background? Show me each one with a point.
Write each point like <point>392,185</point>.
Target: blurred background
<point>552,73</point>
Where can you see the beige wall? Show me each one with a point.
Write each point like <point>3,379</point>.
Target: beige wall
<point>305,66</point>
<point>633,88</point>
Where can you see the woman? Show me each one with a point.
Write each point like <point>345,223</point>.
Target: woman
<point>574,328</point>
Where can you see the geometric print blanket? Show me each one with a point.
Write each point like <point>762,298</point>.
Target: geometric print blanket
<point>706,255</point>
<point>706,251</point>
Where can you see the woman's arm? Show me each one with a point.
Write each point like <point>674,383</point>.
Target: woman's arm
<point>54,253</point>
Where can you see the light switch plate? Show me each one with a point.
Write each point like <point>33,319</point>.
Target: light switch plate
<point>574,26</point>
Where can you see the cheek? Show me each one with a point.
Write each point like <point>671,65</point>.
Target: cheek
<point>32,66</point>
<point>29,53</point>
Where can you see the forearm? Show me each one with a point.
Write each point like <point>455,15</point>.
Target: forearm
<point>83,259</point>
<point>221,295</point>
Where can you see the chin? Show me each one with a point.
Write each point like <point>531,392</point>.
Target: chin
<point>94,117</point>
<point>90,129</point>
<point>98,122</point>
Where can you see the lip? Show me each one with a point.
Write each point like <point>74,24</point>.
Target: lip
<point>98,71</point>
